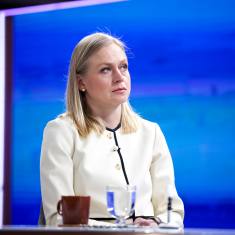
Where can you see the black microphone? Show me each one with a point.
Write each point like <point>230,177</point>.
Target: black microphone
<point>169,208</point>
<point>169,204</point>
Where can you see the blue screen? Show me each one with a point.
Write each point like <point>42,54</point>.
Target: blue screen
<point>182,65</point>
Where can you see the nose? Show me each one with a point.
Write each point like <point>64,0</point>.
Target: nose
<point>117,76</point>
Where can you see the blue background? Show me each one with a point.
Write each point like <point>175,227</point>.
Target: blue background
<point>182,63</point>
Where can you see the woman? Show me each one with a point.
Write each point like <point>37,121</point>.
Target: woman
<point>100,141</point>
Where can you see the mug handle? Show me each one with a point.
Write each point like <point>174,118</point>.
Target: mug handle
<point>59,209</point>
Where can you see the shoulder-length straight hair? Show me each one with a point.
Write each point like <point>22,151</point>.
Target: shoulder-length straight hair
<point>76,105</point>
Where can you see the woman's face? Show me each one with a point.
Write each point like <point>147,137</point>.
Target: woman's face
<point>107,80</point>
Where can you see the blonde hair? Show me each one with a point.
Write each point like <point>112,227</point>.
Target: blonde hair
<point>76,106</point>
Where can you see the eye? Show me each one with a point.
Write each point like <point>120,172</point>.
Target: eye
<point>105,70</point>
<point>124,67</point>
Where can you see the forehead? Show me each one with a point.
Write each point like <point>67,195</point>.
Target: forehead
<point>111,53</point>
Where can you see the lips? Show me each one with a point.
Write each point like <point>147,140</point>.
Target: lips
<point>119,89</point>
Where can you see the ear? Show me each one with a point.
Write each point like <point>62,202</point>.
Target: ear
<point>81,84</point>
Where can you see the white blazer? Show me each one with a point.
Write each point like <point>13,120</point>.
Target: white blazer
<point>71,165</point>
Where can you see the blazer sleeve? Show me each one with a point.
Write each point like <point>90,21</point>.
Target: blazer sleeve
<point>162,174</point>
<point>56,167</point>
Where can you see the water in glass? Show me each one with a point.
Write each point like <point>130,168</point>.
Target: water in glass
<point>121,202</point>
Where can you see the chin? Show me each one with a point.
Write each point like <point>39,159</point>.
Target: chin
<point>118,100</point>
<point>121,101</point>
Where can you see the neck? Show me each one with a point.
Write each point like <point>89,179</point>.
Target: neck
<point>109,117</point>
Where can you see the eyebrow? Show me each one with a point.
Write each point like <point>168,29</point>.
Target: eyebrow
<point>107,63</point>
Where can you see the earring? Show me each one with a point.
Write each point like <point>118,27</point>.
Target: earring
<point>83,89</point>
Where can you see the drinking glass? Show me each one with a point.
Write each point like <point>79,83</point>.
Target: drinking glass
<point>121,202</point>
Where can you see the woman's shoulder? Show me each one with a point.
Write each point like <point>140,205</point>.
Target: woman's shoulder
<point>146,124</point>
<point>150,128</point>
<point>59,132</point>
<point>61,122</point>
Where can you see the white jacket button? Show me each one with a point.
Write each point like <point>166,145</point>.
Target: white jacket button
<point>109,135</point>
<point>118,167</point>
<point>115,148</point>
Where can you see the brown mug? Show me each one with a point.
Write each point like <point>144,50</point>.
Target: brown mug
<point>74,209</point>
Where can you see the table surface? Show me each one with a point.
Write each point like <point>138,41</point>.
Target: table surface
<point>98,230</point>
